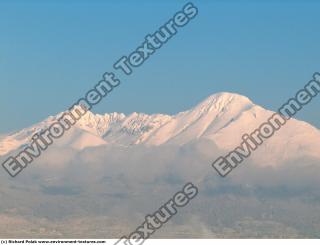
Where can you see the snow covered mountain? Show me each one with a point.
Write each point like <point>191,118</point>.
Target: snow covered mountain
<point>222,118</point>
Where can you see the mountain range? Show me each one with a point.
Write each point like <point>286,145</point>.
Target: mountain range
<point>108,171</point>
<point>221,118</point>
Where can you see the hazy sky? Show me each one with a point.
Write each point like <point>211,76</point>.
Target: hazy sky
<point>52,52</point>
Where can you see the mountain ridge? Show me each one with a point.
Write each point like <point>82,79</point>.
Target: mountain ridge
<point>222,118</point>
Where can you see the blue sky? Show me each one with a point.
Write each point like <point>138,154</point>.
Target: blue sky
<point>52,52</point>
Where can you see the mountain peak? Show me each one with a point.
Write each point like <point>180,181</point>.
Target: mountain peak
<point>223,101</point>
<point>224,98</point>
